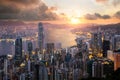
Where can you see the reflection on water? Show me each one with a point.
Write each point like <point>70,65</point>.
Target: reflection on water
<point>60,35</point>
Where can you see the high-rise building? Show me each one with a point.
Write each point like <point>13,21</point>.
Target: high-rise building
<point>106,47</point>
<point>35,44</point>
<point>79,42</point>
<point>110,55</point>
<point>50,48</point>
<point>116,42</point>
<point>96,43</point>
<point>58,46</point>
<point>40,37</point>
<point>40,72</point>
<point>24,45</point>
<point>6,47</point>
<point>114,56</point>
<point>101,67</point>
<point>116,60</point>
<point>83,52</point>
<point>18,49</point>
<point>30,48</point>
<point>97,69</point>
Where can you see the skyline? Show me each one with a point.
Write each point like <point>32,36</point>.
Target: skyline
<point>59,39</point>
<point>61,12</point>
<point>94,57</point>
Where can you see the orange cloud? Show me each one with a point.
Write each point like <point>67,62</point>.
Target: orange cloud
<point>102,1</point>
<point>113,2</point>
<point>53,8</point>
<point>117,14</point>
<point>116,2</point>
<point>96,16</point>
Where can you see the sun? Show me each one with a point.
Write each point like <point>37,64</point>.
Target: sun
<point>74,21</point>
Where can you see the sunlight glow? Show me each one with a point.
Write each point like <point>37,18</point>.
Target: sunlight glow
<point>75,21</point>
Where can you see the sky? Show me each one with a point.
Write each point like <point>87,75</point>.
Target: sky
<point>61,11</point>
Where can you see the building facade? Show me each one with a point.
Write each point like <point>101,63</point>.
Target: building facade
<point>40,37</point>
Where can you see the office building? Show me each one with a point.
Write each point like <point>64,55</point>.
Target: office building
<point>110,55</point>
<point>58,46</point>
<point>117,60</point>
<point>50,48</point>
<point>41,72</point>
<point>18,50</point>
<point>115,42</point>
<point>106,47</point>
<point>101,67</point>
<point>96,43</point>
<point>7,47</point>
<point>40,37</point>
<point>30,48</point>
<point>114,56</point>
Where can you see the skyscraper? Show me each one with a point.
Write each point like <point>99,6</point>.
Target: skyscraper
<point>18,49</point>
<point>30,48</point>
<point>106,47</point>
<point>40,37</point>
<point>50,48</point>
<point>40,72</point>
<point>116,42</point>
<point>97,43</point>
<point>101,67</point>
<point>116,59</point>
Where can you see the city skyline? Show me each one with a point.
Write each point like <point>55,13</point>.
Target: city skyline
<point>95,55</point>
<point>59,39</point>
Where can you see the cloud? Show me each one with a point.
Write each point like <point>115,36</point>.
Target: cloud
<point>39,13</point>
<point>8,9</point>
<point>117,14</point>
<point>102,1</point>
<point>20,2</point>
<point>53,8</point>
<point>116,2</point>
<point>96,16</point>
<point>106,17</point>
<point>90,17</point>
<point>112,2</point>
<point>26,10</point>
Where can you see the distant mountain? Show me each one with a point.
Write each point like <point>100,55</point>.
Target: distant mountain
<point>11,23</point>
<point>58,33</point>
<point>94,27</point>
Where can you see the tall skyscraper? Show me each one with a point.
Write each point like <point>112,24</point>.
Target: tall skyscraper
<point>116,42</point>
<point>40,37</point>
<point>79,42</point>
<point>18,49</point>
<point>97,43</point>
<point>115,56</point>
<point>106,47</point>
<point>116,60</point>
<point>30,48</point>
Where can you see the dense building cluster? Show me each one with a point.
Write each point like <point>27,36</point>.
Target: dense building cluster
<point>96,57</point>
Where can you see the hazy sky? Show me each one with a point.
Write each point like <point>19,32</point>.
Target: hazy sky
<point>66,11</point>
